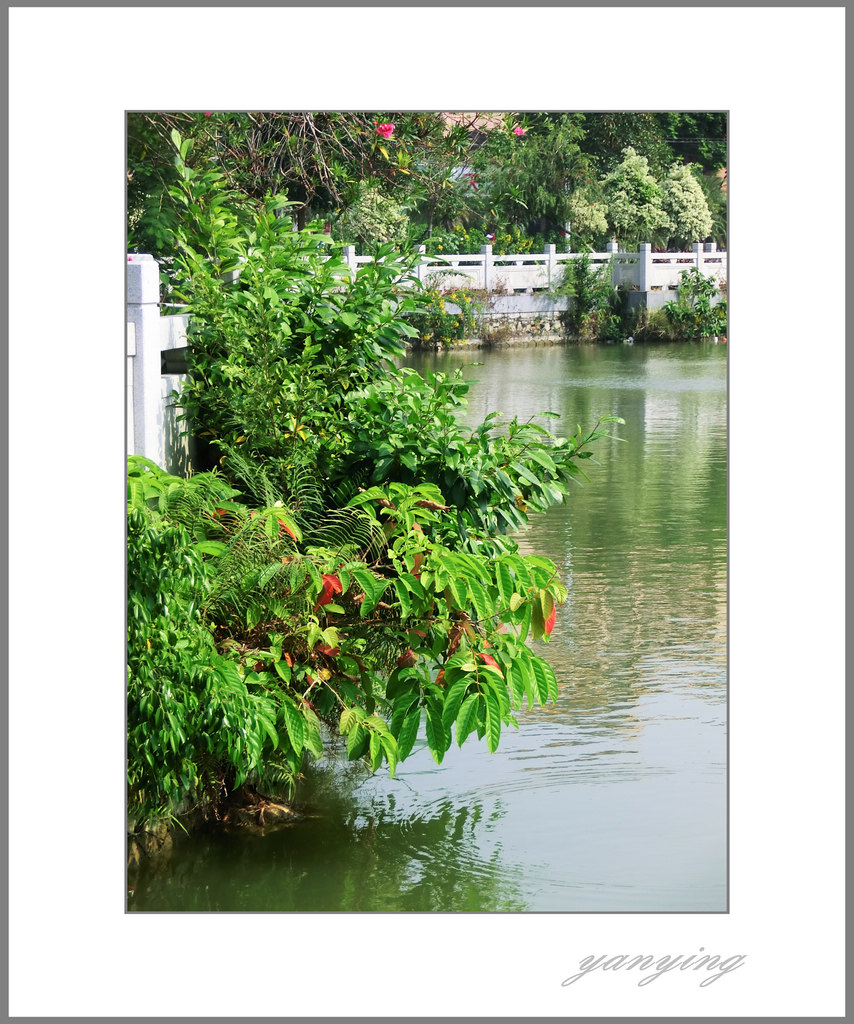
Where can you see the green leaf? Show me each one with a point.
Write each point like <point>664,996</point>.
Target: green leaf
<point>453,700</point>
<point>314,574</point>
<point>313,739</point>
<point>269,729</point>
<point>540,457</point>
<point>389,745</point>
<point>436,735</point>
<point>414,585</point>
<point>467,717</point>
<point>523,663</point>
<point>284,670</point>
<point>493,721</point>
<point>376,751</point>
<point>211,547</point>
<point>408,733</point>
<point>516,680</point>
<point>296,725</point>
<point>505,584</point>
<point>373,586</point>
<point>458,591</point>
<point>538,622</point>
<point>402,597</point>
<point>482,602</point>
<point>358,739</point>
<point>541,671</point>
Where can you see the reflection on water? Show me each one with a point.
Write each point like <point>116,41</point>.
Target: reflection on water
<point>612,799</point>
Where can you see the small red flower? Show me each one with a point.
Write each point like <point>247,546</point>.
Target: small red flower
<point>386,130</point>
<point>518,131</point>
<point>208,113</point>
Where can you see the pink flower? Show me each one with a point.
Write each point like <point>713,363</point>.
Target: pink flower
<point>518,130</point>
<point>385,130</point>
<point>208,113</point>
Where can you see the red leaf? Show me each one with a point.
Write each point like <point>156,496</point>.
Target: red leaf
<point>284,526</point>
<point>550,622</point>
<point>487,659</point>
<point>331,585</point>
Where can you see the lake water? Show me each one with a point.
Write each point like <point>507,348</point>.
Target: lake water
<point>615,798</point>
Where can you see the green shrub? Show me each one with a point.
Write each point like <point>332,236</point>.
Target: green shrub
<point>596,310</point>
<point>436,324</point>
<point>350,562</point>
<point>693,314</point>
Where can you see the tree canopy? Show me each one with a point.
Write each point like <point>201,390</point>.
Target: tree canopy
<point>405,176</point>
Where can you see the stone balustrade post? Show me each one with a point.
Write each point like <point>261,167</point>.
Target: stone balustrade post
<point>486,252</point>
<point>697,248</point>
<point>613,247</point>
<point>422,267</point>
<point>551,263</point>
<point>143,312</point>
<point>644,266</point>
<point>349,255</point>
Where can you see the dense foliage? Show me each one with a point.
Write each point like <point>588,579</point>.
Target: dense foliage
<point>345,567</point>
<point>694,314</point>
<point>596,310</point>
<point>405,178</point>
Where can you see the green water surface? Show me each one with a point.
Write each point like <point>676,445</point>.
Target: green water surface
<point>615,798</point>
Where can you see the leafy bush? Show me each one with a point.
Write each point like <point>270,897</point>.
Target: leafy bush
<point>405,427</point>
<point>349,563</point>
<point>437,324</point>
<point>693,314</point>
<point>596,310</point>
<point>195,723</point>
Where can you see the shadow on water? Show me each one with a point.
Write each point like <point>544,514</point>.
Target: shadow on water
<point>346,855</point>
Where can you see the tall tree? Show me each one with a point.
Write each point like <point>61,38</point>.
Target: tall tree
<point>686,206</point>
<point>635,201</point>
<point>530,168</point>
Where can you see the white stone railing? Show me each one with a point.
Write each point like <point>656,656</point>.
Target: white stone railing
<point>527,273</point>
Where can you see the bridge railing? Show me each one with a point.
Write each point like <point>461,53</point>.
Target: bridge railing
<point>527,273</point>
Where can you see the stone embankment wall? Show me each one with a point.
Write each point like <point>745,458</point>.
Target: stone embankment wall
<point>502,329</point>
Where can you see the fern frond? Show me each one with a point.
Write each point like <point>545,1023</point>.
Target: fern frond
<point>350,532</point>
